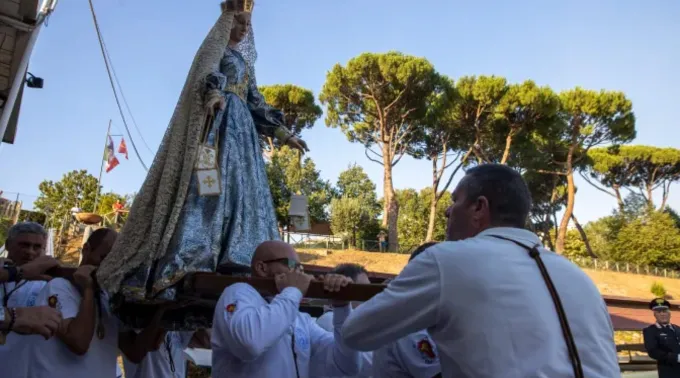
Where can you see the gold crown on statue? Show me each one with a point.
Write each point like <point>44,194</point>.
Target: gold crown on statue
<point>248,5</point>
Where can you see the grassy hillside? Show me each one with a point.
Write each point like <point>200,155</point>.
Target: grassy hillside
<point>609,283</point>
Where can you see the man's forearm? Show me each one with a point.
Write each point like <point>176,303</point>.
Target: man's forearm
<point>4,275</point>
<point>77,332</point>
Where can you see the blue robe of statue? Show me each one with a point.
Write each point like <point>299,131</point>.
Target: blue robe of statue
<point>226,228</point>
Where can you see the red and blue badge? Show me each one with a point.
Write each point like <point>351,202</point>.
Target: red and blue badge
<point>229,310</point>
<point>426,350</point>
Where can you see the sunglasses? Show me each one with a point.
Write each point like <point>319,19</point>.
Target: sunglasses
<point>290,263</point>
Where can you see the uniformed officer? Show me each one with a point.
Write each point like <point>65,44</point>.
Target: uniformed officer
<point>662,340</point>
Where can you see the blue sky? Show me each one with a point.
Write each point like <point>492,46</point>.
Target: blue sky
<point>624,45</point>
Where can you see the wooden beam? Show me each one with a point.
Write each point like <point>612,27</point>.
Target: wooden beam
<point>211,285</point>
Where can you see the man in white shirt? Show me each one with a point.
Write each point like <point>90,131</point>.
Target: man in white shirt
<point>359,275</point>
<point>412,356</point>
<point>483,298</point>
<point>88,338</point>
<point>169,360</point>
<point>22,279</point>
<point>258,337</point>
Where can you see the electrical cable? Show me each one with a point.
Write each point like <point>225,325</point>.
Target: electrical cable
<point>122,96</point>
<point>113,87</point>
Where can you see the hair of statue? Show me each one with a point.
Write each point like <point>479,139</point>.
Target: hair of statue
<point>97,237</point>
<point>420,249</point>
<point>25,228</point>
<point>350,270</point>
<point>505,190</point>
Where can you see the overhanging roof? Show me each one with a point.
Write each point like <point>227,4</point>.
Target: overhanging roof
<point>18,19</point>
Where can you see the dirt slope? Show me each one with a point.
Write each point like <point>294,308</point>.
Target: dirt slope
<point>609,283</point>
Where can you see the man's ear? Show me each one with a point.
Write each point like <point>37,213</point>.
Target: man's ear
<point>259,268</point>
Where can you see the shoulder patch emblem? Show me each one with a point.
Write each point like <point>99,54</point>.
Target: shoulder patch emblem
<point>229,310</point>
<point>53,301</point>
<point>426,350</point>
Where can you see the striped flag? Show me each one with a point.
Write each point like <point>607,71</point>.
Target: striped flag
<point>110,156</point>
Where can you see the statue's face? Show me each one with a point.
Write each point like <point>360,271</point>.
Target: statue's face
<point>240,27</point>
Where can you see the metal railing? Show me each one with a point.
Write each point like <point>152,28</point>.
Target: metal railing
<point>623,267</point>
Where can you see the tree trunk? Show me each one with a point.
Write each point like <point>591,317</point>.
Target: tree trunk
<point>584,237</point>
<point>391,206</point>
<point>433,216</point>
<point>571,195</point>
<point>433,203</point>
<point>506,152</point>
<point>619,198</point>
<point>650,198</point>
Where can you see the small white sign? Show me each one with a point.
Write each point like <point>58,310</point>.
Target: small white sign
<point>208,182</point>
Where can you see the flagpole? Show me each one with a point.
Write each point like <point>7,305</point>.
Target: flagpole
<point>101,169</point>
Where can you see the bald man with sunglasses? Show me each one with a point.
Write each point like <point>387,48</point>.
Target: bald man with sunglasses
<point>257,335</point>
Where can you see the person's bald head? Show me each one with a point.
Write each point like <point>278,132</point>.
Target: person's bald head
<point>274,257</point>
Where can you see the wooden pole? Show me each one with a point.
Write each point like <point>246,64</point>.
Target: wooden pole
<point>101,169</point>
<point>209,286</point>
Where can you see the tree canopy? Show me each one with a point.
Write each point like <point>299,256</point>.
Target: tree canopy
<point>288,174</point>
<point>298,105</point>
<point>77,188</point>
<point>590,119</point>
<point>638,168</point>
<point>379,100</point>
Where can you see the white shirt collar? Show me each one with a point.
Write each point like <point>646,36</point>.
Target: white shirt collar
<point>519,234</point>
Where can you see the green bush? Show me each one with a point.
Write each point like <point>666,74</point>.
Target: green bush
<point>658,290</point>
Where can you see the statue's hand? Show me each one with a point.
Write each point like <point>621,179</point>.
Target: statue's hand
<point>214,102</point>
<point>298,144</point>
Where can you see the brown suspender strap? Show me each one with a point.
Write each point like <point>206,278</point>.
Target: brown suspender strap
<point>566,331</point>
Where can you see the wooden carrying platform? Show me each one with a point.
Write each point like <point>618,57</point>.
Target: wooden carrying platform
<point>202,290</point>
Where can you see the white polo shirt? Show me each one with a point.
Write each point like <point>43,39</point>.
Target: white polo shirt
<point>16,348</point>
<point>52,358</point>
<point>485,304</point>
<point>325,321</point>
<point>157,364</point>
<point>254,338</point>
<point>413,356</point>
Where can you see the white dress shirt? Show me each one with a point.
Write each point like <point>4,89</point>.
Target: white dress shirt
<point>486,306</point>
<point>16,348</point>
<point>325,321</point>
<point>413,356</point>
<point>159,363</point>
<point>258,339</point>
<point>52,358</point>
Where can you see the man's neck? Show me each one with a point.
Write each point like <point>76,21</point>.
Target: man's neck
<point>232,44</point>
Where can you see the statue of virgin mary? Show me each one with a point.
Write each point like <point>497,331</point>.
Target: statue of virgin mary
<point>206,200</point>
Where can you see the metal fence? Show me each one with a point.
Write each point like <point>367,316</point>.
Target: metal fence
<point>613,266</point>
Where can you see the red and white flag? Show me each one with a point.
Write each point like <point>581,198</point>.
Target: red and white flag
<point>110,156</point>
<point>122,148</point>
<point>111,163</point>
